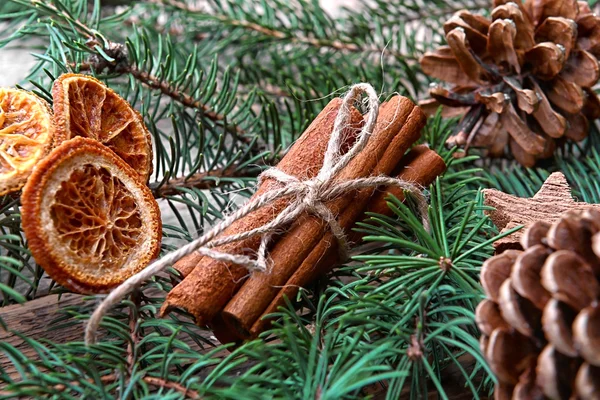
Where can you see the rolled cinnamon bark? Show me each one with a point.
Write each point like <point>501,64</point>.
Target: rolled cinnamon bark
<point>211,284</point>
<point>398,126</point>
<point>186,264</point>
<point>420,166</point>
<point>223,333</point>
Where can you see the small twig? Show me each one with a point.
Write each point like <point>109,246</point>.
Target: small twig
<point>192,394</point>
<point>185,99</point>
<point>136,300</point>
<point>77,24</point>
<point>199,180</point>
<point>104,379</point>
<point>424,12</point>
<point>297,39</point>
<point>159,382</point>
<point>169,90</point>
<point>314,42</point>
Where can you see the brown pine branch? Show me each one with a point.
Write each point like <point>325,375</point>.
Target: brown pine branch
<point>280,35</point>
<point>428,13</point>
<point>136,298</point>
<point>185,99</point>
<point>199,180</point>
<point>189,393</point>
<point>167,89</point>
<point>158,382</point>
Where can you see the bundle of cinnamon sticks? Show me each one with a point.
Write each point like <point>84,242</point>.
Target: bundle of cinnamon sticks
<point>234,304</point>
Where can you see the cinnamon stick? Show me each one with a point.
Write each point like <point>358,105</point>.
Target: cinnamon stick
<point>420,166</point>
<point>186,264</point>
<point>223,333</point>
<point>210,285</point>
<point>398,126</point>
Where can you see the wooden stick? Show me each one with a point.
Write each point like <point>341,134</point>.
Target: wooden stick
<point>421,166</point>
<point>398,126</point>
<point>211,284</point>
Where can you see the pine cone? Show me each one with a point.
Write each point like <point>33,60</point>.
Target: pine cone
<point>524,77</point>
<point>541,320</point>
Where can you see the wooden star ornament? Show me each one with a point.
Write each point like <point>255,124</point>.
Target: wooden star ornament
<point>553,199</point>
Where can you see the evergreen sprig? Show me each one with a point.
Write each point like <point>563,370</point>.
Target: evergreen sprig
<point>224,90</point>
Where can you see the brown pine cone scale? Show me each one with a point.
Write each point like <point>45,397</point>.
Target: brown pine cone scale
<point>524,76</point>
<point>540,322</point>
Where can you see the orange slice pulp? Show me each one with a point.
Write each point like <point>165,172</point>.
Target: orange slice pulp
<point>90,222</point>
<point>26,136</point>
<point>86,107</point>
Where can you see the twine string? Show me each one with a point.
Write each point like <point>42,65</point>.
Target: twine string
<point>306,196</point>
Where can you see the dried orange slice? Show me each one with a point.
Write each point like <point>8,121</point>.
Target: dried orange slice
<point>90,222</point>
<point>84,106</point>
<point>26,135</point>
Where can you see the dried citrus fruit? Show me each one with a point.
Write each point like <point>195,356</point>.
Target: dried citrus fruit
<point>26,135</point>
<point>90,222</point>
<point>84,106</point>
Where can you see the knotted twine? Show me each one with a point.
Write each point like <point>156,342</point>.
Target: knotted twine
<point>306,196</point>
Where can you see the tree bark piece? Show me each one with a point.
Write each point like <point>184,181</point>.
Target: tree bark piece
<point>210,284</point>
<point>398,126</point>
<point>553,199</point>
<point>420,166</point>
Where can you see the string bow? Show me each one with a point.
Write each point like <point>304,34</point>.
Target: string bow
<point>306,196</point>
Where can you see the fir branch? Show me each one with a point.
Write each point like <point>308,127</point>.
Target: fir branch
<point>309,41</point>
<point>49,9</point>
<point>185,99</point>
<point>425,12</point>
<point>122,66</point>
<point>114,57</point>
<point>290,37</point>
<point>201,180</point>
<point>162,383</point>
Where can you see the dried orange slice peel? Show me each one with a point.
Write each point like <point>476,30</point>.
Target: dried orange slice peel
<point>26,136</point>
<point>86,107</point>
<point>90,222</point>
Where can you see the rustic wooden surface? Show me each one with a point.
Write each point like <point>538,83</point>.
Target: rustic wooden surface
<point>33,319</point>
<point>553,199</point>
